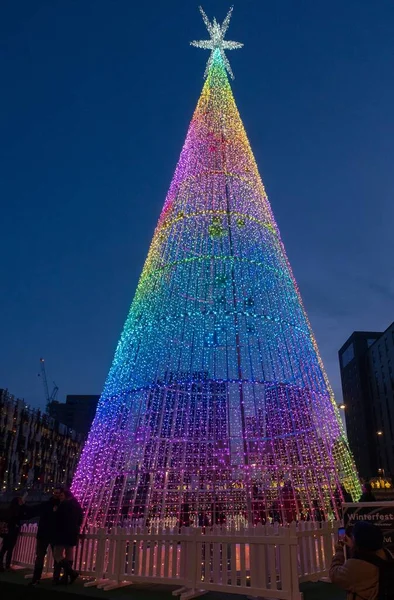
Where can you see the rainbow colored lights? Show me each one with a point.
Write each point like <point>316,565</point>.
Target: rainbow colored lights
<point>217,407</point>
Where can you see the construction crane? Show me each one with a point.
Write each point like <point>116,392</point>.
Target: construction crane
<point>48,397</point>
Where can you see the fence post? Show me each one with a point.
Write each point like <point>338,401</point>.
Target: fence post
<point>293,541</point>
<point>48,569</point>
<point>325,533</point>
<point>193,568</point>
<point>119,559</point>
<point>100,553</point>
<point>331,528</point>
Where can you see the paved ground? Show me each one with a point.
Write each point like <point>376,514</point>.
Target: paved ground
<point>13,586</point>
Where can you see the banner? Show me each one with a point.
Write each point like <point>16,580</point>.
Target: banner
<point>380,514</point>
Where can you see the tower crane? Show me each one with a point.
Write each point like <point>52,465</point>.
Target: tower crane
<point>48,397</point>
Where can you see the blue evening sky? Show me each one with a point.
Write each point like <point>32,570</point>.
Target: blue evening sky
<point>96,97</point>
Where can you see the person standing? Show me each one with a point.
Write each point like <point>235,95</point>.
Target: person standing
<point>346,496</point>
<point>317,511</point>
<point>367,495</point>
<point>68,521</point>
<point>46,512</point>
<point>15,514</point>
<point>290,502</point>
<point>369,572</point>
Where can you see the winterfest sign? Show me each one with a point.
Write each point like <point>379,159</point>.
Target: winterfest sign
<point>380,514</point>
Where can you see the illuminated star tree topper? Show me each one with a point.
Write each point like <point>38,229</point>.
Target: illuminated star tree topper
<point>217,41</point>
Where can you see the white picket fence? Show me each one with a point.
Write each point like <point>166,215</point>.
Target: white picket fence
<point>265,561</point>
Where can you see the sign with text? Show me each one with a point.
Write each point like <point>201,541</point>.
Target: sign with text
<point>380,514</point>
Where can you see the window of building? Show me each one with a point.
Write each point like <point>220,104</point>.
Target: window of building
<point>347,355</point>
<point>389,417</point>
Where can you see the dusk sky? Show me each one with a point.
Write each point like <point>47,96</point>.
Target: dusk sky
<point>96,97</point>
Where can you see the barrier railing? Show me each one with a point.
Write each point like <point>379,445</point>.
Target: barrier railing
<point>266,560</point>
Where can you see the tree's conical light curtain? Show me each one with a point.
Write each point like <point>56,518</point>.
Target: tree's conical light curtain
<point>217,407</point>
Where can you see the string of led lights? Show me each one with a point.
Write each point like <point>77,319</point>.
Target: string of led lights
<point>217,407</point>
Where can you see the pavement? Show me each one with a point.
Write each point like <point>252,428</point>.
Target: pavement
<point>13,586</point>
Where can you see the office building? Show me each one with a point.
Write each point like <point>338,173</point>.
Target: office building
<point>77,412</point>
<point>36,451</point>
<point>366,363</point>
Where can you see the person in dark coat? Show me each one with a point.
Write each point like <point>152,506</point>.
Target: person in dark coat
<point>317,511</point>
<point>68,521</point>
<point>358,573</point>
<point>15,514</point>
<point>367,495</point>
<point>339,497</point>
<point>290,502</point>
<point>46,512</point>
<point>346,496</point>
<point>275,512</point>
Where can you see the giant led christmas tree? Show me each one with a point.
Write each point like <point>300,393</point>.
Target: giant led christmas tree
<point>217,407</point>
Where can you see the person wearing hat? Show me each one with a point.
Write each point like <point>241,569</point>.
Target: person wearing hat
<point>358,575</point>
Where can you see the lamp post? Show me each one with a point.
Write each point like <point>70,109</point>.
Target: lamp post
<point>379,433</point>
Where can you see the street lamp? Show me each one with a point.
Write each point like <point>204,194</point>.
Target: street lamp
<point>342,406</point>
<point>379,432</point>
